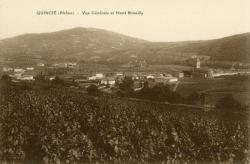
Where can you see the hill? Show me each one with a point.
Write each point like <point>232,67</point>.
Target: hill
<point>232,48</point>
<point>97,45</point>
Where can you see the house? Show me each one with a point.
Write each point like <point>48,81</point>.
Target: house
<point>119,74</point>
<point>181,75</point>
<point>40,64</point>
<point>19,70</point>
<point>92,78</point>
<point>108,81</point>
<point>172,79</point>
<point>70,65</point>
<point>202,73</point>
<point>30,68</point>
<point>52,78</point>
<point>99,75</point>
<point>80,79</point>
<point>150,77</point>
<point>27,77</point>
<point>61,65</point>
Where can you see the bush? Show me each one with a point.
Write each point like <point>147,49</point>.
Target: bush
<point>127,84</point>
<point>228,103</point>
<point>159,92</point>
<point>193,97</point>
<point>6,78</point>
<point>93,90</point>
<point>57,81</point>
<point>57,126</point>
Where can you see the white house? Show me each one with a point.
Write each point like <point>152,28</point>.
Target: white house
<point>27,77</point>
<point>119,74</point>
<point>181,75</point>
<point>172,79</point>
<point>108,81</point>
<point>71,65</point>
<point>51,78</point>
<point>40,64</point>
<point>92,78</point>
<point>19,70</point>
<point>30,68</point>
<point>150,77</point>
<point>99,75</point>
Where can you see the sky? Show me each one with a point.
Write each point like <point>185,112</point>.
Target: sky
<point>162,20</point>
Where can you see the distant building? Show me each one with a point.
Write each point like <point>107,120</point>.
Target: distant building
<point>99,75</point>
<point>30,68</point>
<point>92,78</point>
<point>119,74</point>
<point>202,73</point>
<point>198,72</point>
<point>198,63</point>
<point>108,81</point>
<point>150,77</point>
<point>27,77</point>
<point>70,65</point>
<point>80,79</point>
<point>181,75</point>
<point>51,78</point>
<point>19,70</point>
<point>40,64</point>
<point>61,65</point>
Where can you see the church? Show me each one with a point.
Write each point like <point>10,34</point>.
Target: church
<point>199,72</point>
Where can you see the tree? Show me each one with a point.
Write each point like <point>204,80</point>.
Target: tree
<point>92,90</point>
<point>127,84</point>
<point>159,92</point>
<point>57,81</point>
<point>6,78</point>
<point>5,88</point>
<point>40,77</point>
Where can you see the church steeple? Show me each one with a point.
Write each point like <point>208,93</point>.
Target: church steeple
<point>198,63</point>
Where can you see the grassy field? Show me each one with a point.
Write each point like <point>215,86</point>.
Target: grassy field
<point>217,88</point>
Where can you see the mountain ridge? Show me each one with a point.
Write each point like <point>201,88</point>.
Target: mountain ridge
<point>93,44</point>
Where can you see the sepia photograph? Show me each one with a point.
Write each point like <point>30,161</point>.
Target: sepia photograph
<point>124,82</point>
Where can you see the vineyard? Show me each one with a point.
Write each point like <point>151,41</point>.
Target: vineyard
<point>58,126</point>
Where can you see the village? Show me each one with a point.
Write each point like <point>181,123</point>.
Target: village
<point>75,76</point>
